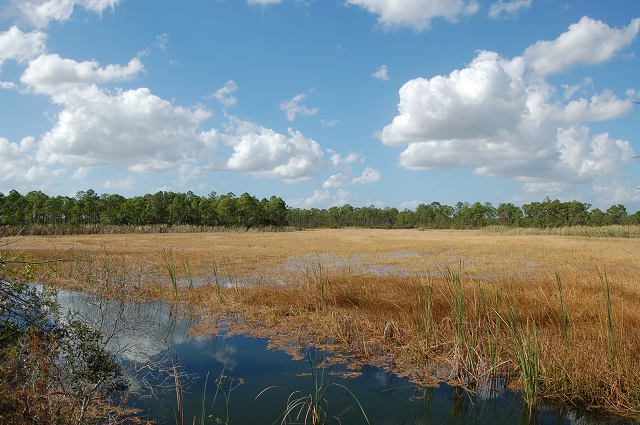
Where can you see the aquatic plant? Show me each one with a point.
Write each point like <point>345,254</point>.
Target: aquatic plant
<point>189,273</point>
<point>224,386</point>
<point>524,341</point>
<point>316,277</point>
<point>171,268</point>
<point>216,276</point>
<point>423,315</point>
<point>311,408</point>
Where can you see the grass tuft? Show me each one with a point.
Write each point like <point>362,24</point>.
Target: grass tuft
<point>312,408</point>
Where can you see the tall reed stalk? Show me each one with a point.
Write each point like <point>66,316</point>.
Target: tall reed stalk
<point>563,312</point>
<point>177,377</point>
<point>312,408</point>
<point>171,268</point>
<point>610,329</point>
<point>202,418</point>
<point>216,276</point>
<point>189,273</point>
<point>225,385</point>
<point>424,316</point>
<point>524,342</point>
<point>493,344</point>
<point>529,358</point>
<point>316,276</point>
<point>464,360</point>
<point>455,295</point>
<point>480,344</point>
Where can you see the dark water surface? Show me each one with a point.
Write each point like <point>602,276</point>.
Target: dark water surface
<point>241,368</point>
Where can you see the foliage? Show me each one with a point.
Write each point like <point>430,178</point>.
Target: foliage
<point>54,369</point>
<point>172,209</point>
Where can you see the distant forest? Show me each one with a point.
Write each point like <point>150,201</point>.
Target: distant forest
<point>171,208</point>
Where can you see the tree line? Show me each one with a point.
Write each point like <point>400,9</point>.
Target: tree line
<point>229,210</point>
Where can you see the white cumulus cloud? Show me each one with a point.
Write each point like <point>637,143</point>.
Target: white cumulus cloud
<point>323,198</point>
<point>133,128</point>
<point>338,160</point>
<point>478,101</point>
<point>601,107</point>
<point>40,13</point>
<point>19,168</point>
<point>263,152</point>
<point>344,179</point>
<point>20,46</point>
<point>588,42</point>
<point>51,74</point>
<point>499,118</point>
<point>588,157</point>
<point>338,180</point>
<point>369,175</point>
<point>416,14</point>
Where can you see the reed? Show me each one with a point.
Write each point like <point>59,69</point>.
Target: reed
<point>189,274</point>
<point>610,328</point>
<point>493,349</point>
<point>610,231</point>
<point>232,278</point>
<point>524,342</point>
<point>312,408</point>
<point>224,386</point>
<point>216,276</point>
<point>563,311</point>
<point>126,229</point>
<point>171,269</point>
<point>455,295</point>
<point>177,378</point>
<point>464,359</point>
<point>423,315</point>
<point>202,417</point>
<point>316,277</point>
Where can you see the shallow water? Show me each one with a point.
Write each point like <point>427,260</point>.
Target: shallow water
<point>241,368</point>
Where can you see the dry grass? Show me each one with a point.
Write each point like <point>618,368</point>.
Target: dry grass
<point>460,305</point>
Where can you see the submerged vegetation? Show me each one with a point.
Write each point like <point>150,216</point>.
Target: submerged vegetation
<point>552,316</point>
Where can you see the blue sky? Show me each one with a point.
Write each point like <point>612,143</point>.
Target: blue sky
<point>323,102</point>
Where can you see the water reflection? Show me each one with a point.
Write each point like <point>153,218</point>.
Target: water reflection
<point>222,376</point>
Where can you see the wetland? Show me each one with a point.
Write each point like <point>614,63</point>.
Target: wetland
<point>553,319</point>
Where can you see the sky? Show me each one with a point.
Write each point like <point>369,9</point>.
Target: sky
<point>390,103</point>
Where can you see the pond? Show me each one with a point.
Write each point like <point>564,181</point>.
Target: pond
<point>240,380</point>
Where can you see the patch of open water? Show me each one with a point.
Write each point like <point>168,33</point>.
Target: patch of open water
<point>240,368</point>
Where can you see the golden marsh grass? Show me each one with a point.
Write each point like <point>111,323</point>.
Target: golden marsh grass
<point>556,315</point>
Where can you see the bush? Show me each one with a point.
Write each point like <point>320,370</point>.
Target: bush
<point>54,369</point>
